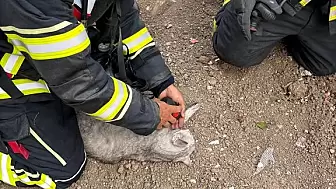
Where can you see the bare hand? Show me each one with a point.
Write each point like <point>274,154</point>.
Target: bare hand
<point>173,93</point>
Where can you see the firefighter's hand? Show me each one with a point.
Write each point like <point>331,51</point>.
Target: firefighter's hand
<point>166,111</point>
<point>173,93</point>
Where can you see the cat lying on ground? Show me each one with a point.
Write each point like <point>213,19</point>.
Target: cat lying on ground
<point>111,144</point>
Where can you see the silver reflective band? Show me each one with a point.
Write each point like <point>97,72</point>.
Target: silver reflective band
<point>53,47</point>
<point>120,95</point>
<point>135,43</point>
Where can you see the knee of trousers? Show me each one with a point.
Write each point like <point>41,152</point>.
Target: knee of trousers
<point>235,57</point>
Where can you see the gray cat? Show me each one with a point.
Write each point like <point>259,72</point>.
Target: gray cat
<point>111,144</point>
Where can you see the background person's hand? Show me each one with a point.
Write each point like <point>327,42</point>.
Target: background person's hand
<point>166,111</point>
<point>173,93</point>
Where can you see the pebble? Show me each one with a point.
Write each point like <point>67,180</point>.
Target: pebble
<point>209,87</point>
<point>215,142</point>
<point>128,166</point>
<point>169,26</point>
<point>193,181</point>
<point>213,179</point>
<point>120,169</point>
<point>332,151</point>
<point>204,59</point>
<point>301,142</point>
<point>135,167</point>
<point>212,81</point>
<point>231,187</point>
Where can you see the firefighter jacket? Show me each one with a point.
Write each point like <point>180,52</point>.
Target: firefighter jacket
<point>46,52</point>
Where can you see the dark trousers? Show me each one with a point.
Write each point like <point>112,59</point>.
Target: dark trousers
<point>49,132</point>
<point>306,34</point>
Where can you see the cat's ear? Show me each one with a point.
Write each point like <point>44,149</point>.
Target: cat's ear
<point>191,110</point>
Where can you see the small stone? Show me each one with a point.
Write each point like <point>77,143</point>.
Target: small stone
<point>301,142</point>
<point>135,167</point>
<point>214,170</point>
<point>332,151</point>
<point>203,59</point>
<point>147,185</point>
<point>217,166</point>
<point>209,87</point>
<point>128,166</point>
<point>121,169</point>
<point>231,187</point>
<point>168,43</point>
<point>277,172</point>
<point>215,142</point>
<point>169,26</point>
<point>213,179</point>
<point>212,81</point>
<point>193,181</point>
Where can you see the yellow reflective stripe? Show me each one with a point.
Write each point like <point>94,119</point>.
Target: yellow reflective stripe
<point>136,41</point>
<point>10,172</point>
<point>58,46</point>
<point>11,63</point>
<point>7,175</point>
<point>304,2</point>
<point>38,30</point>
<point>225,2</point>
<point>151,44</point>
<point>27,87</point>
<point>127,104</point>
<point>46,182</point>
<point>114,105</point>
<point>58,157</point>
<point>332,15</point>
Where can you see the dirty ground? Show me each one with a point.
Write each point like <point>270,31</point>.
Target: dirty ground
<point>244,112</point>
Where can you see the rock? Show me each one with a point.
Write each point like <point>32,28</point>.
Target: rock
<point>332,151</point>
<point>209,87</point>
<point>121,169</point>
<point>231,187</point>
<point>212,81</point>
<point>298,89</point>
<point>169,26</point>
<point>128,166</point>
<point>135,167</point>
<point>147,185</point>
<point>301,142</point>
<point>215,142</point>
<point>192,181</point>
<point>203,59</point>
<point>213,179</point>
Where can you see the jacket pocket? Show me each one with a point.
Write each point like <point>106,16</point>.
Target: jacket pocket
<point>15,127</point>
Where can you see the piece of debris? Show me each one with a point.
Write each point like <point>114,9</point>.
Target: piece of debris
<point>212,81</point>
<point>209,87</point>
<point>298,89</point>
<point>128,166</point>
<point>203,59</point>
<point>301,142</point>
<point>169,26</point>
<point>215,142</point>
<point>265,160</point>
<point>332,151</point>
<point>193,181</point>
<point>193,41</point>
<point>231,187</point>
<point>304,73</point>
<point>121,169</point>
<point>262,124</point>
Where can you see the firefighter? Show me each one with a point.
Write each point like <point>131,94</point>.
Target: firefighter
<point>60,56</point>
<point>245,32</point>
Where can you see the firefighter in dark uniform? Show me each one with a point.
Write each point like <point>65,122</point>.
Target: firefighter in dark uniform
<point>245,31</point>
<point>58,56</point>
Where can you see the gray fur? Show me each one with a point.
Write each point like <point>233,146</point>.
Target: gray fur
<point>111,144</point>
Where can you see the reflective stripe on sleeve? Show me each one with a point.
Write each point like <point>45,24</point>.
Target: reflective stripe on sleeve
<point>137,41</point>
<point>115,104</point>
<point>332,15</point>
<point>52,47</point>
